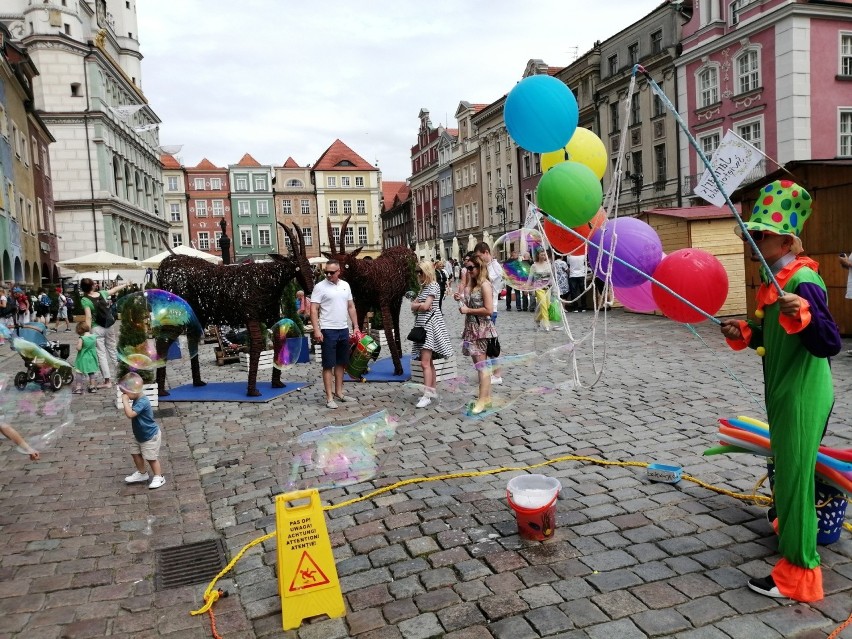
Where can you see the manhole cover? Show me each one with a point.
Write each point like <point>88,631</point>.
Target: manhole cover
<point>189,564</point>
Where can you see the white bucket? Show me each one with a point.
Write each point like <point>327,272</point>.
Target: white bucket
<point>533,491</point>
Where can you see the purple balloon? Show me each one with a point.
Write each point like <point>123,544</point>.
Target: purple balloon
<point>637,244</point>
<point>636,298</point>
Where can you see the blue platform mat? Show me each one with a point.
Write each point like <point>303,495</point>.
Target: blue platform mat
<point>382,371</point>
<point>229,392</point>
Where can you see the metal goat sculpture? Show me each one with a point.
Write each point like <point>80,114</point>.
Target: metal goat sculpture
<point>379,283</point>
<point>239,295</point>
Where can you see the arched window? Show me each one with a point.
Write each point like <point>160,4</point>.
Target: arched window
<point>128,183</point>
<point>748,70</point>
<point>118,179</point>
<point>296,184</point>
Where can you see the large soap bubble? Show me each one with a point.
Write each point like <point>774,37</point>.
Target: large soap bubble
<point>40,414</point>
<point>290,341</point>
<point>516,251</point>
<point>151,322</point>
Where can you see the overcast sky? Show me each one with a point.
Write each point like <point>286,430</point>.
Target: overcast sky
<point>279,78</point>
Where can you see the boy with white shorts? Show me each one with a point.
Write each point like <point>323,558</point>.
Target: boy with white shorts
<point>146,432</point>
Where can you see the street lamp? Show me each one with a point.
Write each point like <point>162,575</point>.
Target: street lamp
<point>501,207</point>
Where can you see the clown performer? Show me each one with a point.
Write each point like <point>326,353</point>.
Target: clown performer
<point>795,334</point>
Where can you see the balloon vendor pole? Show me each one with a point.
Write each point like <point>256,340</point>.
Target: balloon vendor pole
<point>611,255</point>
<point>692,141</point>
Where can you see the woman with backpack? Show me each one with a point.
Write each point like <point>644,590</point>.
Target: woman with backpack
<point>98,309</point>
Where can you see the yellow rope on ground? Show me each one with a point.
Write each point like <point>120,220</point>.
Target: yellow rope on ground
<point>211,595</point>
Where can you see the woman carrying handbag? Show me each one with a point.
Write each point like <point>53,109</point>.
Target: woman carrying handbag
<point>429,327</point>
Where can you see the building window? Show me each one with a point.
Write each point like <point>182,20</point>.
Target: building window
<point>748,74</point>
<point>660,166</point>
<point>242,184</point>
<point>174,209</point>
<point>201,208</point>
<point>362,235</point>
<point>294,184</point>
<point>657,42</point>
<point>473,174</point>
<point>245,236</point>
<point>177,239</point>
<point>308,236</point>
<point>633,53</point>
<point>474,213</point>
<point>359,181</point>
<point>635,115</point>
<point>361,207</point>
<point>306,207</point>
<point>199,184</point>
<point>349,236</point>
<point>659,107</point>
<point>708,86</point>
<point>173,183</point>
<point>709,144</point>
<point>203,241</point>
<point>332,207</point>
<point>331,180</point>
<point>262,207</point>
<point>287,207</point>
<point>259,183</point>
<point>846,54</point>
<point>264,236</point>
<point>751,132</point>
<point>216,184</point>
<point>458,179</point>
<point>845,129</point>
<point>345,181</point>
<point>335,233</point>
<point>217,238</point>
<point>34,151</point>
<point>218,208</point>
<point>612,64</point>
<point>613,116</point>
<point>244,209</point>
<point>347,207</point>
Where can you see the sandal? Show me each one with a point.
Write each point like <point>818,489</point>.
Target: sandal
<point>104,385</point>
<point>93,389</point>
<point>77,391</point>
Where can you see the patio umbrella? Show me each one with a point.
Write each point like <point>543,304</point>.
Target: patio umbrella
<point>471,242</point>
<point>318,260</point>
<point>154,262</point>
<point>99,261</point>
<point>441,248</point>
<point>455,248</point>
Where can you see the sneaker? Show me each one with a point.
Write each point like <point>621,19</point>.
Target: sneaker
<point>347,399</point>
<point>331,404</point>
<point>424,402</point>
<point>136,478</point>
<point>765,586</point>
<point>496,380</point>
<point>156,482</point>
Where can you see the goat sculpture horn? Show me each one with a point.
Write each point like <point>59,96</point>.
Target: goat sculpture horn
<point>331,237</point>
<point>343,234</point>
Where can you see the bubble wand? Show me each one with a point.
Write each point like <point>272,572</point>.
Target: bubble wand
<point>694,143</point>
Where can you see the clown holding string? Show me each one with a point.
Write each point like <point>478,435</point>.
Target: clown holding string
<point>795,334</point>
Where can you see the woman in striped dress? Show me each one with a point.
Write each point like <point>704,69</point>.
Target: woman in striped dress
<point>430,317</point>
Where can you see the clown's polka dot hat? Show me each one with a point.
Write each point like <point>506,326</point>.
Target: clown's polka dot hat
<point>781,208</point>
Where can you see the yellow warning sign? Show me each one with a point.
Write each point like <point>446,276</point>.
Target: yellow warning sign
<point>307,575</point>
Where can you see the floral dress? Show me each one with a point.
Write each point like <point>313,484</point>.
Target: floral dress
<point>478,329</point>
<point>437,336</point>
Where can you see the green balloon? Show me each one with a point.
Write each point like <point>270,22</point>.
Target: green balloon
<point>570,192</point>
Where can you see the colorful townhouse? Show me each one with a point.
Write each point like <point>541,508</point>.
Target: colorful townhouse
<point>208,204</point>
<point>174,196</point>
<point>296,202</point>
<point>425,187</point>
<point>252,213</point>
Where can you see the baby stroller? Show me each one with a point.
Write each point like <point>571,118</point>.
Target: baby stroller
<point>46,361</point>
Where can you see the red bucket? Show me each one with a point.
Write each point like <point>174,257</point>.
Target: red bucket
<point>533,498</point>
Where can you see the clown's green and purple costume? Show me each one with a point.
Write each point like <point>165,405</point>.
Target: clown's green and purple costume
<point>799,398</point>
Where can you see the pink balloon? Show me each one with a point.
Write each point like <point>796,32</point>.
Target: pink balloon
<point>636,298</point>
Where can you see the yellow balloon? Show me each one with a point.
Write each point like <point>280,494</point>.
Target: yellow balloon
<point>583,147</point>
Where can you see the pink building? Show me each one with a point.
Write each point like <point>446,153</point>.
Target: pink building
<point>777,72</point>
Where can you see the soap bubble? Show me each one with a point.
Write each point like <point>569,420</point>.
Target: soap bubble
<point>131,383</point>
<point>526,244</point>
<point>40,414</point>
<point>289,339</point>
<point>151,322</point>
<point>336,456</point>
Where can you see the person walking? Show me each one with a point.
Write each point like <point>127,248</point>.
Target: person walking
<point>61,311</point>
<point>98,311</point>
<point>796,334</point>
<point>332,308</point>
<point>441,279</point>
<point>541,281</point>
<point>577,281</point>
<point>437,342</point>
<point>495,277</point>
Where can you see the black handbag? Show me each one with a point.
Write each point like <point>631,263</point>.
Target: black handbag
<point>492,347</point>
<point>418,333</point>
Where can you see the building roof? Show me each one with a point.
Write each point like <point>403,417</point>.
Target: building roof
<point>206,164</point>
<point>339,157</point>
<point>695,212</point>
<point>247,160</point>
<point>392,190</point>
<point>290,163</point>
<point>169,162</point>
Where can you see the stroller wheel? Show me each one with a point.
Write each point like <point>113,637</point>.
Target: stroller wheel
<point>67,375</point>
<point>21,380</point>
<point>56,380</point>
<point>31,374</point>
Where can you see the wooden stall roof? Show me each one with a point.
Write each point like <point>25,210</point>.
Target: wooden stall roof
<point>694,212</point>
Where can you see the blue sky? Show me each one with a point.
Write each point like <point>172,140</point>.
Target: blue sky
<point>280,78</point>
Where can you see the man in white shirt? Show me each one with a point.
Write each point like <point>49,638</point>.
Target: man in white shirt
<point>495,276</point>
<point>332,309</point>
<point>577,281</point>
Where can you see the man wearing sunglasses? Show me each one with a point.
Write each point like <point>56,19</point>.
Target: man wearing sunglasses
<point>795,334</point>
<point>332,309</point>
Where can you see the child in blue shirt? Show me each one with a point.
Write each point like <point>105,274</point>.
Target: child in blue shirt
<point>146,432</point>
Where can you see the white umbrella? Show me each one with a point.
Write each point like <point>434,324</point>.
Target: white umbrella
<point>441,248</point>
<point>99,261</point>
<point>455,248</point>
<point>486,237</point>
<point>471,242</point>
<point>154,262</point>
<point>318,260</point>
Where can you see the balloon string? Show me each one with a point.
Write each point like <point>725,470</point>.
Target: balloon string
<point>745,234</point>
<point>632,268</point>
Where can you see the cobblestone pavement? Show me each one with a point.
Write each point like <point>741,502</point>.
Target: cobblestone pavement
<point>629,558</point>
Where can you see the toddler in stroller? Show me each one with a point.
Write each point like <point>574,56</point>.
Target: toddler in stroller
<point>46,361</point>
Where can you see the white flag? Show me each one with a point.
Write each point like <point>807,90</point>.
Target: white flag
<point>732,162</point>
<point>124,111</point>
<point>533,216</point>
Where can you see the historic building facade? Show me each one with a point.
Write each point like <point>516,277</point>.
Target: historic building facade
<point>296,201</point>
<point>175,199</point>
<point>208,204</point>
<point>425,198</point>
<point>252,209</point>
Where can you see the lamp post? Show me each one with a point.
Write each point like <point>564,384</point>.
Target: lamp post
<point>500,194</point>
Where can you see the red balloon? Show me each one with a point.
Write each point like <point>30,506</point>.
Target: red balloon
<point>696,276</point>
<point>564,242</point>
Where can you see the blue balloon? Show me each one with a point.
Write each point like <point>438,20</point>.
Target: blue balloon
<point>541,114</point>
